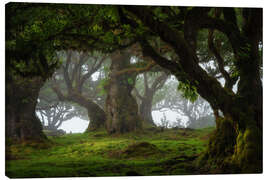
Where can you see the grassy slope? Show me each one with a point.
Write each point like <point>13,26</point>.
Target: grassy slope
<point>97,154</point>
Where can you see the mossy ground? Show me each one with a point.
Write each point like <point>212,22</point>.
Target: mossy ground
<point>171,152</point>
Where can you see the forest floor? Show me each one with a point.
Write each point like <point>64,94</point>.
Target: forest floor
<point>168,152</point>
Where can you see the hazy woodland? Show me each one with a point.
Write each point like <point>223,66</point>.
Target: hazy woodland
<point>163,90</point>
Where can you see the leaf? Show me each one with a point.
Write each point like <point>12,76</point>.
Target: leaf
<point>189,91</point>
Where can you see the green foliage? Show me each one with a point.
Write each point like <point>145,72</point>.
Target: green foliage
<point>44,28</point>
<point>159,14</point>
<point>189,91</point>
<point>28,31</point>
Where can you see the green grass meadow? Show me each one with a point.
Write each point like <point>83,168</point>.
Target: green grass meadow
<point>168,152</point>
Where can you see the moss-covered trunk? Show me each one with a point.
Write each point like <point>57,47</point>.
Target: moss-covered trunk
<point>121,106</point>
<point>22,124</point>
<point>248,149</point>
<point>234,150</point>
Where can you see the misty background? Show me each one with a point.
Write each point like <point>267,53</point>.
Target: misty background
<point>77,125</point>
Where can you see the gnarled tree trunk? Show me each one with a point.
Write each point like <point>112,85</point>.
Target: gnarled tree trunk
<point>242,111</point>
<point>121,106</point>
<point>22,124</point>
<point>145,100</point>
<point>245,109</point>
<point>96,114</point>
<point>235,149</point>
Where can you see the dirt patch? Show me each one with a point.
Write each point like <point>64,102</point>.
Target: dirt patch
<point>140,149</point>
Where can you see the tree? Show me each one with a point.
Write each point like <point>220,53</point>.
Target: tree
<point>28,64</point>
<point>52,117</point>
<point>75,73</point>
<point>122,110</point>
<point>53,112</point>
<point>242,122</point>
<point>22,123</point>
<point>145,98</point>
<point>121,106</point>
<point>34,33</point>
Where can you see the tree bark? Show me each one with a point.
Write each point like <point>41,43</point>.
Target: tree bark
<point>121,106</point>
<point>145,110</point>
<point>22,124</point>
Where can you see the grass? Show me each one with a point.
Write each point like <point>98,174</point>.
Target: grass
<point>170,152</point>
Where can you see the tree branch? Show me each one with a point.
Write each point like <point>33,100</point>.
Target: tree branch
<point>220,61</point>
<point>65,70</point>
<point>191,28</point>
<point>94,68</point>
<point>208,87</point>
<point>159,81</point>
<point>59,93</point>
<point>136,70</point>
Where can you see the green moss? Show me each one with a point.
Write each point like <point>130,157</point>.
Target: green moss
<point>138,150</point>
<point>90,154</point>
<point>248,151</point>
<point>220,148</point>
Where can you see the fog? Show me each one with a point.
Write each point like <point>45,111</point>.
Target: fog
<point>77,125</point>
